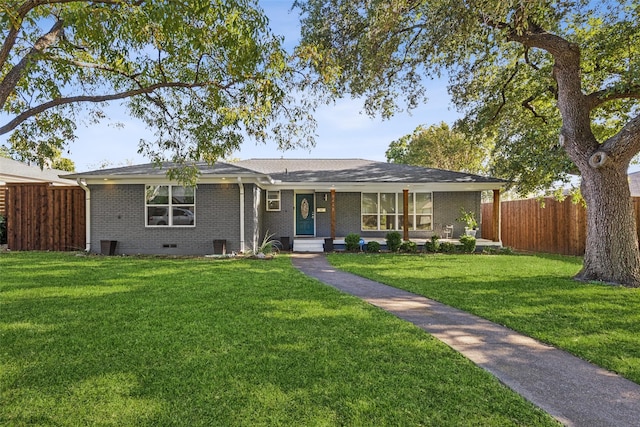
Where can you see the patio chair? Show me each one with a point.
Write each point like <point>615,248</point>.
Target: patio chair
<point>447,231</point>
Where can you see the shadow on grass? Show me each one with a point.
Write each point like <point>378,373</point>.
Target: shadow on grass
<point>535,295</point>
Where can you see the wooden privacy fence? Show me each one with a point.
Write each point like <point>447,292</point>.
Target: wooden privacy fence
<point>45,217</point>
<point>551,226</point>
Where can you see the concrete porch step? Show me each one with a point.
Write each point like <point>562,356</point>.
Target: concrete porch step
<point>308,245</point>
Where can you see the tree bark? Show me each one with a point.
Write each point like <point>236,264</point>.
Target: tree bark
<point>611,253</point>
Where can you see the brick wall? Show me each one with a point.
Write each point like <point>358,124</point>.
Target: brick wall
<point>447,205</point>
<point>118,213</point>
<point>280,223</point>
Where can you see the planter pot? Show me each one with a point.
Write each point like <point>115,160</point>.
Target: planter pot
<point>470,232</point>
<point>220,247</point>
<point>285,244</point>
<point>108,247</point>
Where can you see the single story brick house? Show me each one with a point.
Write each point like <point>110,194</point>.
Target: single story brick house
<point>301,201</point>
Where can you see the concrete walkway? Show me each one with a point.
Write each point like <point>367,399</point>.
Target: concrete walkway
<point>573,391</point>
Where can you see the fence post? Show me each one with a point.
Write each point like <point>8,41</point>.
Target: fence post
<point>497,237</point>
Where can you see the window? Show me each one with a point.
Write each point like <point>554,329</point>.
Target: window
<point>170,205</point>
<point>273,200</point>
<point>384,211</point>
<point>369,210</point>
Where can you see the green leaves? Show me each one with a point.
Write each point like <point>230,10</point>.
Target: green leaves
<point>203,75</point>
<point>437,146</point>
<point>501,57</point>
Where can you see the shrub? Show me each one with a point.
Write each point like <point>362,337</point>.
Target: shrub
<point>433,245</point>
<point>448,247</point>
<point>506,250</point>
<point>3,230</point>
<point>468,243</point>
<point>352,242</point>
<point>409,247</point>
<point>373,247</point>
<point>394,240</point>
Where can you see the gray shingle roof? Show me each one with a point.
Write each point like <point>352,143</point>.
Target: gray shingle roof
<point>152,169</point>
<point>15,172</point>
<point>309,170</point>
<point>354,170</point>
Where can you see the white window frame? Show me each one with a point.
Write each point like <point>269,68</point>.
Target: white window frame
<point>170,206</point>
<point>272,199</point>
<point>397,212</point>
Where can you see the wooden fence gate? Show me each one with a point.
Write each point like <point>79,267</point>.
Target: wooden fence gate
<point>548,226</point>
<point>44,217</point>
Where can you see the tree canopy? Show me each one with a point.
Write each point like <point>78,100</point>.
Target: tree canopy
<point>500,78</point>
<point>440,147</point>
<point>203,75</point>
<point>554,85</point>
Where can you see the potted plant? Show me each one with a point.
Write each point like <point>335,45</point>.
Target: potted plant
<point>470,221</point>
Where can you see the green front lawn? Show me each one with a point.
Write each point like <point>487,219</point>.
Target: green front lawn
<point>202,342</point>
<point>528,293</point>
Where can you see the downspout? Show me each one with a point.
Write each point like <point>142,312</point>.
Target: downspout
<point>241,185</point>
<point>87,213</point>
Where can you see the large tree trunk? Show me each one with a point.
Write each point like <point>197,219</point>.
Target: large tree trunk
<point>611,253</point>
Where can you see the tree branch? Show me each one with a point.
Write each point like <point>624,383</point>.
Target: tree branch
<point>527,104</point>
<point>528,61</point>
<point>12,78</point>
<point>625,144</point>
<point>102,67</point>
<point>17,17</point>
<point>502,91</point>
<point>600,97</point>
<point>101,98</point>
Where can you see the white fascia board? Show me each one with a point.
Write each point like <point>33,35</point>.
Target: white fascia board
<point>385,186</point>
<point>18,179</point>
<point>267,183</point>
<point>161,179</point>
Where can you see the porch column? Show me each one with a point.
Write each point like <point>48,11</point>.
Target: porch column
<point>496,216</point>
<point>405,214</point>
<point>333,213</point>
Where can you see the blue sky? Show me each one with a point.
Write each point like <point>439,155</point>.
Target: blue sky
<point>343,130</point>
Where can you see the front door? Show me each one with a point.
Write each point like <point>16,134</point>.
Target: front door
<point>305,215</point>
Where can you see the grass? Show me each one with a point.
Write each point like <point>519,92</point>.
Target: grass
<point>533,294</point>
<point>202,342</point>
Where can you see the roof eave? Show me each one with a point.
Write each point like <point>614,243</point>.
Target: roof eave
<point>395,186</point>
<point>151,179</point>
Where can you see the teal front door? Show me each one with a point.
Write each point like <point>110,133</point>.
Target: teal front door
<point>305,215</point>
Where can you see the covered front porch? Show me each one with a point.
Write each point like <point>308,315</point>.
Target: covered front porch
<point>324,225</point>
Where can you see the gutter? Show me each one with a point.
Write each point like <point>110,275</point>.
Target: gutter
<point>241,185</point>
<point>87,213</point>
